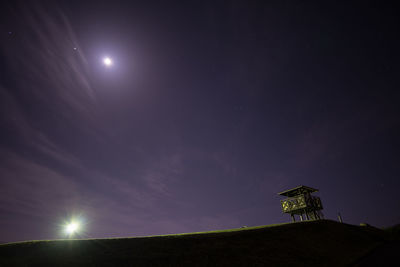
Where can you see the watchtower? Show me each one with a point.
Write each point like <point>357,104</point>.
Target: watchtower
<point>301,202</point>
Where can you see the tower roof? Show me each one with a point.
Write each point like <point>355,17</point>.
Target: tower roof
<point>298,191</point>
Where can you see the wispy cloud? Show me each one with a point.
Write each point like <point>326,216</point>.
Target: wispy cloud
<point>48,91</point>
<point>32,189</point>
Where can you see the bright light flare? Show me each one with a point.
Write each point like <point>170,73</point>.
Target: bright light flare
<point>107,62</point>
<point>72,228</point>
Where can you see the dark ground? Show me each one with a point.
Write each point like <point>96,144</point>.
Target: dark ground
<point>384,255</point>
<point>314,243</point>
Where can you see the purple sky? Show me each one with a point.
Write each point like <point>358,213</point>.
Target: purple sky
<point>209,110</point>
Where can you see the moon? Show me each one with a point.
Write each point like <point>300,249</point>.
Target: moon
<point>107,62</point>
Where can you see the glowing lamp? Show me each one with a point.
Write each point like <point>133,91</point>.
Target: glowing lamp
<point>71,228</point>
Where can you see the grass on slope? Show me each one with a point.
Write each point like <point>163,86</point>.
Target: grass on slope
<point>312,243</point>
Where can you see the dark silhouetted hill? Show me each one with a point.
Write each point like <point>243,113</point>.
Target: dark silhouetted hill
<point>313,243</point>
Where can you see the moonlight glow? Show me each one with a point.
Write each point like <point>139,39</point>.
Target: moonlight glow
<point>107,61</point>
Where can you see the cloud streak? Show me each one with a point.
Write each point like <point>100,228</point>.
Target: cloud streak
<point>43,173</point>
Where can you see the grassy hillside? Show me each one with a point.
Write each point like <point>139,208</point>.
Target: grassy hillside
<point>313,243</point>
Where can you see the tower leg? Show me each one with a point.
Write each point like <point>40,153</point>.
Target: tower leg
<point>340,218</point>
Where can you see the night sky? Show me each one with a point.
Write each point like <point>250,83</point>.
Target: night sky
<point>208,110</point>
